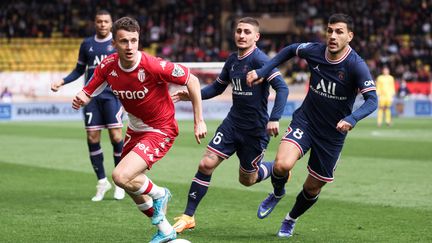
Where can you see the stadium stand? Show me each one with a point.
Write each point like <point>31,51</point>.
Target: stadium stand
<point>45,35</point>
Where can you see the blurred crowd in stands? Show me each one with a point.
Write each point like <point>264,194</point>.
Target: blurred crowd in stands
<point>393,33</point>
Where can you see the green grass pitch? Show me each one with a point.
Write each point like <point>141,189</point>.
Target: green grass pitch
<point>382,191</point>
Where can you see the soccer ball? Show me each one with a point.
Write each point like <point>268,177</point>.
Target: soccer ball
<point>179,241</point>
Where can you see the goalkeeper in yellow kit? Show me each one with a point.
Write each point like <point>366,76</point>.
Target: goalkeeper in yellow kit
<point>386,90</point>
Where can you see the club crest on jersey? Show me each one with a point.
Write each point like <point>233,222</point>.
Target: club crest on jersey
<point>141,75</point>
<point>341,75</point>
<point>177,71</point>
<point>245,68</point>
<point>110,48</point>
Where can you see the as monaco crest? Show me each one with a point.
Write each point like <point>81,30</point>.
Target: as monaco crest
<point>141,75</point>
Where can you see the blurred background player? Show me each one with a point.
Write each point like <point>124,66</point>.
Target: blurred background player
<point>104,111</point>
<point>402,94</point>
<point>141,83</point>
<point>385,86</point>
<point>247,127</point>
<point>323,120</point>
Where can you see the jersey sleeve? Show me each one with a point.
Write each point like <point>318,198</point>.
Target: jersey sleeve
<point>80,66</point>
<point>97,83</point>
<point>363,77</point>
<point>261,60</point>
<point>171,72</point>
<point>82,56</point>
<point>223,77</point>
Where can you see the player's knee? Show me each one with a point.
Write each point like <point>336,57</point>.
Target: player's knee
<point>93,138</point>
<point>281,168</point>
<point>116,136</point>
<point>206,167</point>
<point>246,181</point>
<point>312,190</point>
<point>120,178</point>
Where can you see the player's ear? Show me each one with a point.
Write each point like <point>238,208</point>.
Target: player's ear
<point>257,36</point>
<point>350,35</point>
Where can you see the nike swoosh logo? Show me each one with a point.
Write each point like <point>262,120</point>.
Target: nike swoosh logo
<point>265,212</point>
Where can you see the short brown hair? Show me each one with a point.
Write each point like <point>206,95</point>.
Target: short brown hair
<point>125,23</point>
<point>249,20</point>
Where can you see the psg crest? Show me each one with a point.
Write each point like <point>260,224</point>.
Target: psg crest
<point>141,75</point>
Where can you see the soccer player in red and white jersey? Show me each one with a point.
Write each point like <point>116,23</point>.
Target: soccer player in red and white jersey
<point>140,81</point>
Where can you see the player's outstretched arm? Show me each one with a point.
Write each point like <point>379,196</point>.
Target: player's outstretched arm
<point>80,99</point>
<point>180,95</point>
<point>256,76</point>
<point>200,128</point>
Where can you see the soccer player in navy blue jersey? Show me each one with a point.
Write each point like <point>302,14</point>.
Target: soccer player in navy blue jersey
<point>322,122</point>
<point>247,128</point>
<point>105,110</point>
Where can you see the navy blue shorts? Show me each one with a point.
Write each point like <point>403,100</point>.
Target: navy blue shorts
<point>103,112</point>
<point>324,152</point>
<point>250,149</point>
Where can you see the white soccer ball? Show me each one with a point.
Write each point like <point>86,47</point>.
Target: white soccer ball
<point>179,241</point>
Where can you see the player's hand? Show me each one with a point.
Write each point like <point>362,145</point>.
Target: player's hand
<point>55,86</point>
<point>273,128</point>
<point>200,129</point>
<point>180,95</point>
<point>343,126</point>
<point>252,78</point>
<point>80,99</point>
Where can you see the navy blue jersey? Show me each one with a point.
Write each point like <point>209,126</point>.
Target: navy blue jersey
<point>249,111</point>
<point>92,52</point>
<point>333,87</point>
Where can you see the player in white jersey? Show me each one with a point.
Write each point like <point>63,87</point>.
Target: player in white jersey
<point>141,81</point>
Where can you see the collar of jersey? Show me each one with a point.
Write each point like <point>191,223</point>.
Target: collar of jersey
<point>246,54</point>
<point>109,37</point>
<point>134,66</point>
<point>348,51</point>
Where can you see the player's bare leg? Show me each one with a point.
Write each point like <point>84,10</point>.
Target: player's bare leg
<point>129,175</point>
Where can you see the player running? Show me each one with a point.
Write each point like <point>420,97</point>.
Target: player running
<point>104,111</point>
<point>141,81</point>
<point>247,127</point>
<point>325,117</point>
